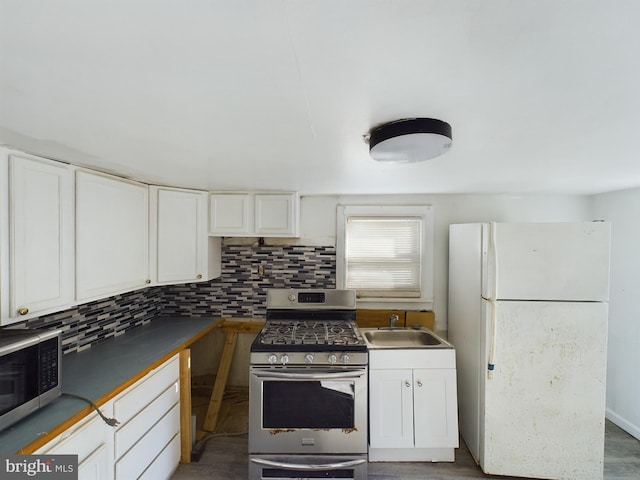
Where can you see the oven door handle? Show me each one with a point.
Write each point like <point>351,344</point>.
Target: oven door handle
<point>309,467</point>
<point>312,376</point>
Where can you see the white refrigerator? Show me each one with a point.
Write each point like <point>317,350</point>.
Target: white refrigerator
<point>528,317</point>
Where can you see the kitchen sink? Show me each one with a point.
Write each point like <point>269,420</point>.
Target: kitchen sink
<point>401,337</point>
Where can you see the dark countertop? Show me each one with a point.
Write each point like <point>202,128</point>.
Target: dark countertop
<point>103,368</point>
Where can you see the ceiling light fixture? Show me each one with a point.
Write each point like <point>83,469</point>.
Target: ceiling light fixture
<point>409,140</point>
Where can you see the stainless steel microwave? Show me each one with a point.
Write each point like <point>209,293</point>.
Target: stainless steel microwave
<point>29,372</point>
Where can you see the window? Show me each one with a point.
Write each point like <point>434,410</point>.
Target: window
<point>385,253</point>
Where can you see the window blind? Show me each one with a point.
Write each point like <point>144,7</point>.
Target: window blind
<point>383,256</point>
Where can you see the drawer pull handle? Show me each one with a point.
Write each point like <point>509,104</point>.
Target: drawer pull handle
<point>23,311</point>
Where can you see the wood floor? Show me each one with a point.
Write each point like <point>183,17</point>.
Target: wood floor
<point>224,454</point>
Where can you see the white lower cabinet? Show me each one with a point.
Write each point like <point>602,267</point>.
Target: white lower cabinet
<point>412,405</point>
<point>149,416</point>
<point>146,443</point>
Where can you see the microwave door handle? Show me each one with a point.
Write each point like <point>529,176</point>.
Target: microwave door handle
<point>311,376</point>
<point>310,467</point>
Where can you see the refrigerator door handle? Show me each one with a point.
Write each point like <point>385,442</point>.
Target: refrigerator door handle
<point>493,264</point>
<point>492,340</point>
<point>493,248</point>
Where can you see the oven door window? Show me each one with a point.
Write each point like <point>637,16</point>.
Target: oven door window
<point>18,378</point>
<point>308,404</point>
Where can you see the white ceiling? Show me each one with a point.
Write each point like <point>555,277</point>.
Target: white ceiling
<point>543,95</point>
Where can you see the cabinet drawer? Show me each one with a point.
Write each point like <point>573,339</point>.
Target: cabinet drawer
<point>129,433</point>
<point>386,359</point>
<point>146,391</point>
<point>82,439</point>
<point>143,453</point>
<point>165,464</point>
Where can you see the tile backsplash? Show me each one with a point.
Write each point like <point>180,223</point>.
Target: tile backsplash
<point>95,321</point>
<point>247,272</point>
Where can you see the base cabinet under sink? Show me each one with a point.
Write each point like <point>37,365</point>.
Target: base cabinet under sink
<point>412,405</point>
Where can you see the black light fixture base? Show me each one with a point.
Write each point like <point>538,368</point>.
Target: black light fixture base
<point>410,140</point>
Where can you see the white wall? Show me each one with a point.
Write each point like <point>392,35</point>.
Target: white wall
<point>622,209</point>
<point>318,221</point>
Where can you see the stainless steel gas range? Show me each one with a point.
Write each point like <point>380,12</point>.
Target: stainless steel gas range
<point>308,388</point>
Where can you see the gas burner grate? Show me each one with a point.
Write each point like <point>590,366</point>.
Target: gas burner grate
<point>310,333</point>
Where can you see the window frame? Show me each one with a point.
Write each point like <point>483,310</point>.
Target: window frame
<point>425,212</point>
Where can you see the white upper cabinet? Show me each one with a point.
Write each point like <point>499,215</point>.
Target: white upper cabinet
<point>71,235</point>
<point>40,239</point>
<point>112,235</point>
<point>230,214</point>
<point>254,214</point>
<point>276,215</point>
<point>181,250</point>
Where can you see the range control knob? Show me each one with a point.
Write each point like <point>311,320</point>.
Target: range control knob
<point>332,359</point>
<point>292,297</point>
<point>284,359</point>
<point>272,358</point>
<point>308,358</point>
<point>344,358</point>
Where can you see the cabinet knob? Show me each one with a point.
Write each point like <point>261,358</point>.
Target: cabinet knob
<point>199,276</point>
<point>407,384</point>
<point>23,311</point>
<point>147,281</point>
<point>419,383</point>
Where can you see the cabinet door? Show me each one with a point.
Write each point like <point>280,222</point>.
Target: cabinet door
<point>96,466</point>
<point>112,235</point>
<point>390,408</point>
<point>435,408</point>
<point>276,215</point>
<point>41,236</point>
<point>181,236</point>
<point>230,214</point>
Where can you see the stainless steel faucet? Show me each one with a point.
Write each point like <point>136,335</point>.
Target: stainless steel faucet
<point>392,320</point>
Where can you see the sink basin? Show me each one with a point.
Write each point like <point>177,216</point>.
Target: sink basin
<point>403,338</point>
